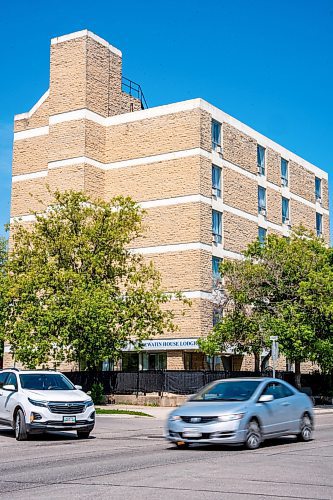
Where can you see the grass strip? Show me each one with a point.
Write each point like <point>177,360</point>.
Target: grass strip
<point>102,411</point>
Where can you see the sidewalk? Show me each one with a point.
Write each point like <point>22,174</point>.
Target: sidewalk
<point>161,413</point>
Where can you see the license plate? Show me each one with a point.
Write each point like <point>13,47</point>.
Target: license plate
<point>192,433</point>
<point>69,420</point>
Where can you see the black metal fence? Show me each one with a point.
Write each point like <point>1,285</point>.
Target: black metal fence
<point>182,382</point>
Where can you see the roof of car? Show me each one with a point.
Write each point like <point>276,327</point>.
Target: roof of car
<point>16,370</point>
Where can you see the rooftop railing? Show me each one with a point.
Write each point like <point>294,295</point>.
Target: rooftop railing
<point>134,90</point>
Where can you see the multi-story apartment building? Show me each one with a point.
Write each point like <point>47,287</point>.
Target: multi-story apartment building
<point>209,183</point>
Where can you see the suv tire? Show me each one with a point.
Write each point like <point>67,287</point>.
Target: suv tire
<point>21,433</point>
<point>83,434</point>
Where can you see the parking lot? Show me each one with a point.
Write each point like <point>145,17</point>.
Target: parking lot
<point>127,458</point>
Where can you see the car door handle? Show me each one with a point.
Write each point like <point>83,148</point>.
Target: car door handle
<point>286,404</point>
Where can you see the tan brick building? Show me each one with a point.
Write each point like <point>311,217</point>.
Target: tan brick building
<point>209,183</point>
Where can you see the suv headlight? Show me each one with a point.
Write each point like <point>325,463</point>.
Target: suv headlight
<point>232,416</point>
<point>89,403</point>
<point>38,403</point>
<point>174,417</point>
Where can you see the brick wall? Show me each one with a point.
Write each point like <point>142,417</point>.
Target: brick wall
<point>239,148</point>
<point>240,191</point>
<point>238,232</point>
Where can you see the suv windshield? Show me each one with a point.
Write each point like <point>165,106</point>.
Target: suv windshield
<point>46,382</point>
<point>227,391</point>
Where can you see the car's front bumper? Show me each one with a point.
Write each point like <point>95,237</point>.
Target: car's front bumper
<point>52,425</point>
<point>233,432</point>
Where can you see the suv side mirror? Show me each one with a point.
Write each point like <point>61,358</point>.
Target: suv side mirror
<point>266,398</point>
<point>78,387</point>
<point>9,387</point>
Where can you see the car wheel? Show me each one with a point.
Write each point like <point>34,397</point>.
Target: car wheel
<point>182,446</point>
<point>253,435</point>
<point>83,434</point>
<point>306,429</point>
<point>21,433</point>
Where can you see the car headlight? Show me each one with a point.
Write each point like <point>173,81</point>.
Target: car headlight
<point>38,403</point>
<point>89,403</point>
<point>174,417</point>
<point>232,416</point>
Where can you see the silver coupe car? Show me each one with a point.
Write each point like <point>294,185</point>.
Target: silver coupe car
<point>241,411</point>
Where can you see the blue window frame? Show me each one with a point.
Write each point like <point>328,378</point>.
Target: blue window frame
<point>261,160</point>
<point>285,210</point>
<point>217,226</point>
<point>318,188</point>
<point>216,181</point>
<point>216,135</point>
<point>319,224</point>
<point>284,172</point>
<point>261,200</point>
<point>262,232</point>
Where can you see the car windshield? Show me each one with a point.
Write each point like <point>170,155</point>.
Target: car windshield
<point>45,382</point>
<point>233,390</point>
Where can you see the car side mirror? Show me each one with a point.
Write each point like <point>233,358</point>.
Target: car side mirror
<point>9,387</point>
<point>78,387</point>
<point>266,398</point>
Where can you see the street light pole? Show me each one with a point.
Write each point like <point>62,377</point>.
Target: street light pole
<point>275,351</point>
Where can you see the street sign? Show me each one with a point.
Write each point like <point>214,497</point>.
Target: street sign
<point>273,337</point>
<point>275,351</point>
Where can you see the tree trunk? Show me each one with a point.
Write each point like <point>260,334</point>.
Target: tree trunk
<point>297,373</point>
<point>256,361</point>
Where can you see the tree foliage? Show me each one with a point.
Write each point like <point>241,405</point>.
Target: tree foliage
<point>282,287</point>
<point>75,290</point>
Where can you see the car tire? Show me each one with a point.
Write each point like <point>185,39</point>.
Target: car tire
<point>182,446</point>
<point>21,433</point>
<point>83,434</point>
<point>253,435</point>
<point>306,428</point>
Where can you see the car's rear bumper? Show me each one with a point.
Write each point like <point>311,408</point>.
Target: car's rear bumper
<point>36,427</point>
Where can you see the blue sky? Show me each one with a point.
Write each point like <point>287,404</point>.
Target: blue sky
<point>268,63</point>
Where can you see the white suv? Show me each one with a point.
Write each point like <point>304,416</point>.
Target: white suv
<point>37,401</point>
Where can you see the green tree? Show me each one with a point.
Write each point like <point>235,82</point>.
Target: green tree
<point>282,287</point>
<point>76,291</point>
<point>3,288</point>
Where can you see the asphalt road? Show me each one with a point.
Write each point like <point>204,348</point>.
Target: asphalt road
<point>127,459</point>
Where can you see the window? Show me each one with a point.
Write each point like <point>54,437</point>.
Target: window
<point>285,211</point>
<point>215,270</point>
<point>277,390</point>
<point>154,360</point>
<point>216,136</point>
<point>216,181</point>
<point>319,224</point>
<point>3,376</point>
<point>12,380</point>
<point>130,361</point>
<point>262,234</point>
<point>261,160</point>
<point>284,172</point>
<point>217,226</point>
<point>318,189</point>
<point>261,200</point>
<point>217,316</point>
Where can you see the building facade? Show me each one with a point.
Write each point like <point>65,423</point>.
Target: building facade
<point>209,183</point>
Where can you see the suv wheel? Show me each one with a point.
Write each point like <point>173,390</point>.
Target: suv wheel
<point>306,429</point>
<point>83,434</point>
<point>253,436</point>
<point>21,433</point>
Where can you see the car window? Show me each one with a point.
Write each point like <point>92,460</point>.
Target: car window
<point>46,382</point>
<point>3,376</point>
<point>12,380</point>
<point>231,390</point>
<point>277,390</point>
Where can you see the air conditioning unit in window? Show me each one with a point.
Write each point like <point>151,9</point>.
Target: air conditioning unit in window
<point>262,211</point>
<point>218,148</point>
<point>216,238</point>
<point>261,170</point>
<point>318,199</point>
<point>287,222</point>
<point>214,192</point>
<point>284,182</point>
